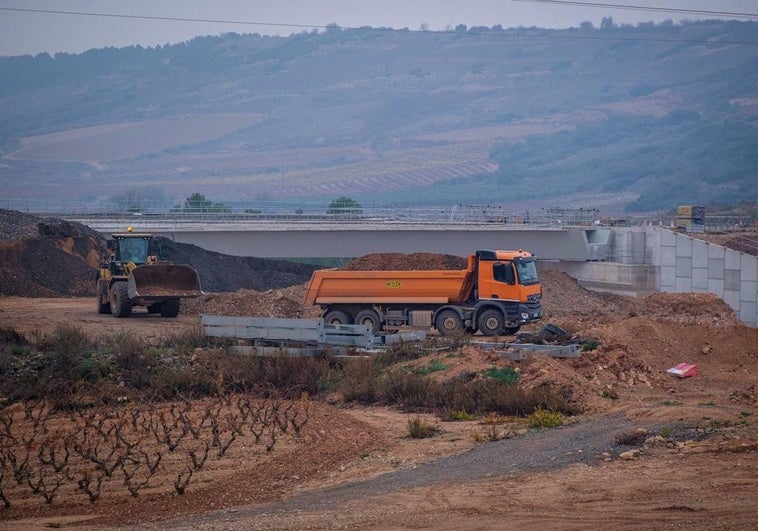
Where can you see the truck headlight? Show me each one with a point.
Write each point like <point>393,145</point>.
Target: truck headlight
<point>525,316</point>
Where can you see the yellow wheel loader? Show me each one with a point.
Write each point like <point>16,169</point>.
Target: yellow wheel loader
<point>131,276</point>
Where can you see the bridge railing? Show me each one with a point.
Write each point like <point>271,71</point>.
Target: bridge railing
<point>159,212</point>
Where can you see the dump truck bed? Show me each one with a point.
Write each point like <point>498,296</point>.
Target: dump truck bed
<point>332,286</point>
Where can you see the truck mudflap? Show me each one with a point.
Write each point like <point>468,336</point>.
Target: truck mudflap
<point>163,281</point>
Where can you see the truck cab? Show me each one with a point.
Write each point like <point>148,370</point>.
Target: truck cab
<point>507,282</point>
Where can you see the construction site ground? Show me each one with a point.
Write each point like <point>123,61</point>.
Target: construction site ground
<point>569,477</point>
<point>355,467</point>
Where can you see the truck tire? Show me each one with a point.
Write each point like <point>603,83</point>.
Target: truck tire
<point>448,322</point>
<point>337,317</point>
<point>370,318</point>
<point>102,307</point>
<point>170,307</point>
<point>120,305</point>
<point>491,322</point>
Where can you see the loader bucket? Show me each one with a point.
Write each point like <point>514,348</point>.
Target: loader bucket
<point>158,281</point>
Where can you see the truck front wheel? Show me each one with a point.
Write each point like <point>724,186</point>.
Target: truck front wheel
<point>448,322</point>
<point>491,322</point>
<point>120,305</point>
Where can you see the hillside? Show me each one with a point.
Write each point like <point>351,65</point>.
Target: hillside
<point>649,116</point>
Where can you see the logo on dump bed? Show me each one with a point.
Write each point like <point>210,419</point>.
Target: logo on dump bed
<point>393,283</point>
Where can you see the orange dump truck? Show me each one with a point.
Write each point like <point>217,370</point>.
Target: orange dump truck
<point>496,293</point>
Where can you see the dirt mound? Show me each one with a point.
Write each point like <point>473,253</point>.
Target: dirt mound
<point>695,308</point>
<point>17,225</point>
<point>47,257</point>
<point>405,262</point>
<point>565,300</point>
<point>221,272</point>
<point>286,302</point>
<point>60,259</point>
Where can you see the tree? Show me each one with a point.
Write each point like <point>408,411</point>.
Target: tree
<point>344,205</point>
<point>199,203</point>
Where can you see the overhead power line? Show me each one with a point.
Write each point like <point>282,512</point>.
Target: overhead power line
<point>645,8</point>
<point>366,28</point>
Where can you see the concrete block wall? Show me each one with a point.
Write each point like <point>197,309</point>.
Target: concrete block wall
<point>688,264</point>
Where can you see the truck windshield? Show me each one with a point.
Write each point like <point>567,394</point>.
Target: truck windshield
<point>526,271</point>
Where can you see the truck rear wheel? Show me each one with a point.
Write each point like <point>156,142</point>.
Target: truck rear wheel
<point>170,307</point>
<point>448,322</point>
<point>491,322</point>
<point>370,318</point>
<point>120,305</point>
<point>337,317</point>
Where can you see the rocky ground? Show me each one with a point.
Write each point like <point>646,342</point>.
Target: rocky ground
<point>694,463</point>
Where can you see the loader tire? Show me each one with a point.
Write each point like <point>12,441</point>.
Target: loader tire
<point>102,307</point>
<point>170,307</point>
<point>120,305</point>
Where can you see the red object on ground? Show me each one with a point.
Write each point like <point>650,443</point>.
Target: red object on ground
<point>683,370</point>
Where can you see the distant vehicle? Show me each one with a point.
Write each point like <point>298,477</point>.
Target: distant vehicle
<point>130,277</point>
<point>497,293</point>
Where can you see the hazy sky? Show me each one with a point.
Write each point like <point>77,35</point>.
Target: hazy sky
<point>32,33</point>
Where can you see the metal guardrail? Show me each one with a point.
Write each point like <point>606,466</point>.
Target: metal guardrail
<point>167,213</point>
<point>306,333</point>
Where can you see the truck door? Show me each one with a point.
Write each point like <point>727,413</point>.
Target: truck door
<point>497,280</point>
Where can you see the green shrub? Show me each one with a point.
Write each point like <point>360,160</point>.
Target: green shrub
<point>542,418</point>
<point>460,416</point>
<point>418,428</point>
<point>434,365</point>
<point>590,344</point>
<point>507,375</point>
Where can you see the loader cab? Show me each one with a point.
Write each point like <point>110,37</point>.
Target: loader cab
<point>130,248</point>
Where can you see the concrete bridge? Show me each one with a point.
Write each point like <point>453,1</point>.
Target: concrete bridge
<point>315,239</point>
<point>627,260</point>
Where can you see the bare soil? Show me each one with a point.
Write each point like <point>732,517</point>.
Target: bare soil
<point>356,467</point>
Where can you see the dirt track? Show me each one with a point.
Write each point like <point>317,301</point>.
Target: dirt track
<point>557,478</point>
<point>40,316</point>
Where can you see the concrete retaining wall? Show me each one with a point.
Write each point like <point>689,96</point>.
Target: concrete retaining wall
<point>688,264</point>
<point>648,259</point>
